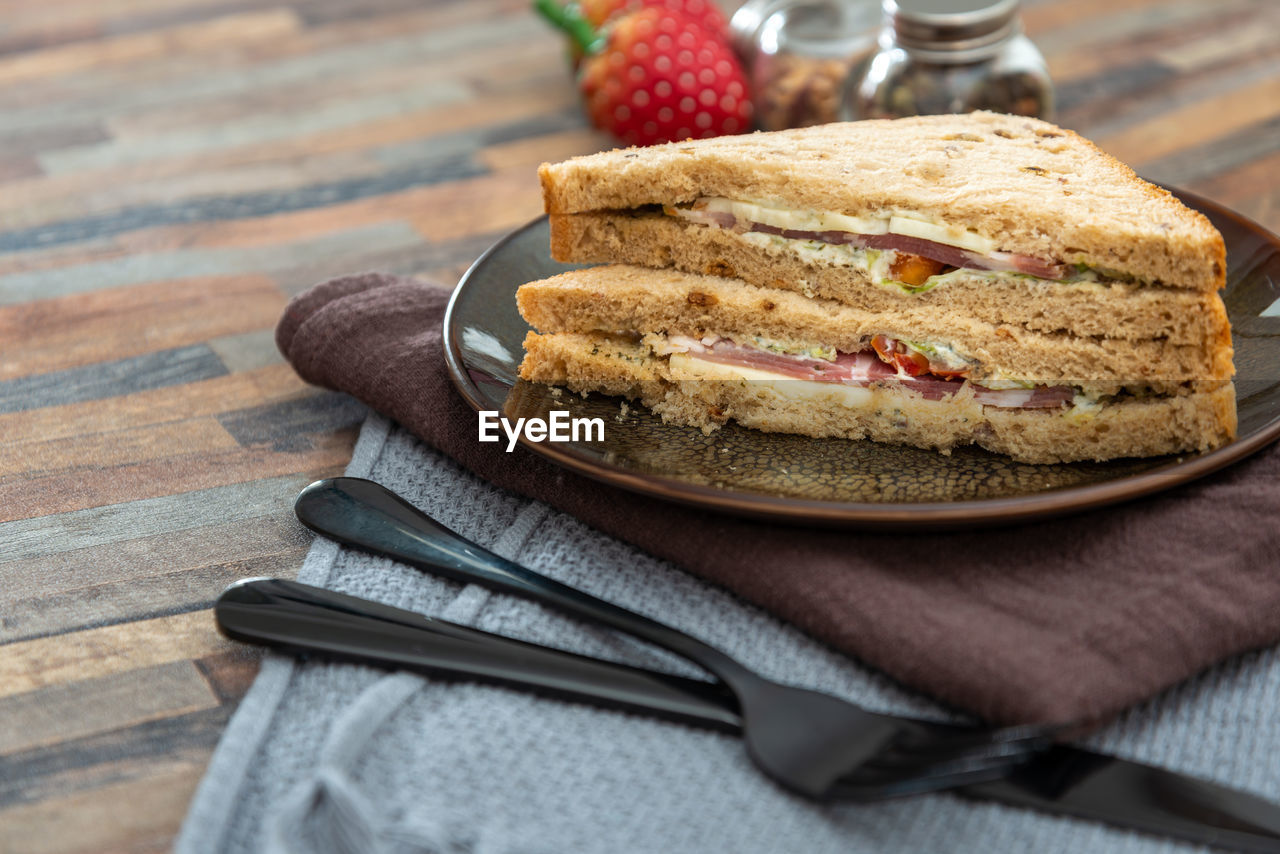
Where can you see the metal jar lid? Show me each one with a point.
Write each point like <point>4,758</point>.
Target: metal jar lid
<point>953,29</point>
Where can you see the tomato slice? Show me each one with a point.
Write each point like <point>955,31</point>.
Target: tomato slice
<point>909,361</point>
<point>906,360</point>
<point>914,270</point>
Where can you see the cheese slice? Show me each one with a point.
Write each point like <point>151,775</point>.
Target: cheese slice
<point>798,220</point>
<point>906,224</point>
<point>686,367</point>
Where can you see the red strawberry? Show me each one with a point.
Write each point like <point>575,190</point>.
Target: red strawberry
<point>704,13</point>
<point>656,76</point>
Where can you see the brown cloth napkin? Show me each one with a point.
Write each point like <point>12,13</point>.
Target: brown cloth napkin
<point>1060,621</point>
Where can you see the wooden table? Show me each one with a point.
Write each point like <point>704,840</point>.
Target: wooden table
<point>172,171</point>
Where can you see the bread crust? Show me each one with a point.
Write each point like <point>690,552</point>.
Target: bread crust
<point>1111,310</point>
<point>1127,428</point>
<point>621,298</point>
<point>1034,188</point>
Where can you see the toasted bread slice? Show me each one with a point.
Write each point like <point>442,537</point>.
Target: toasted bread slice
<point>698,395</point>
<point>621,298</point>
<point>1026,186</point>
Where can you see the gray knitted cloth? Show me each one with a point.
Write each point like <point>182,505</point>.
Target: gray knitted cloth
<point>341,758</point>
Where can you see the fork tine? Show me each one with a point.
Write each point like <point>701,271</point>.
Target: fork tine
<point>922,746</point>
<point>933,780</point>
<point>929,778</point>
<point>897,762</point>
<point>907,773</point>
<point>876,774</point>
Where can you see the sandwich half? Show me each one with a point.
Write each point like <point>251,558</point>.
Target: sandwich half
<point>700,350</point>
<point>979,259</point>
<point>1002,218</point>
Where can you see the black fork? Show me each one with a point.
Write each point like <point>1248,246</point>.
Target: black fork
<point>812,743</point>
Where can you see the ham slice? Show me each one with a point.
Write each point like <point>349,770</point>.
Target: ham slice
<point>952,256</point>
<point>863,369</point>
<point>837,237</point>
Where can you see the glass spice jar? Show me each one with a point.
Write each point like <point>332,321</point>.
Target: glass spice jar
<point>949,56</point>
<point>799,53</point>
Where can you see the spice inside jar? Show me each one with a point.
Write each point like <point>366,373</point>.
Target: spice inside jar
<point>799,54</point>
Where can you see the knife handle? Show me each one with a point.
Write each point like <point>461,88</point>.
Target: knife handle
<point>298,618</point>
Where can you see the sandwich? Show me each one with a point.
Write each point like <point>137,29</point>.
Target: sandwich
<point>933,281</point>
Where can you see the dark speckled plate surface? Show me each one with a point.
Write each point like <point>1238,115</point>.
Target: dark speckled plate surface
<point>837,481</point>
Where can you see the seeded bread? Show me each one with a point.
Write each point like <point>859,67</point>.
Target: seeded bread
<point>1110,309</point>
<point>1126,428</point>
<point>622,298</point>
<point>1034,188</point>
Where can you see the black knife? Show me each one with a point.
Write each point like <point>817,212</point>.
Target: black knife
<point>1064,780</point>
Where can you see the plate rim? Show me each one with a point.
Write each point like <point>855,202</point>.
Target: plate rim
<point>950,515</point>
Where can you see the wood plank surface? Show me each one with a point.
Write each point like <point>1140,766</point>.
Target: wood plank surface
<point>173,171</point>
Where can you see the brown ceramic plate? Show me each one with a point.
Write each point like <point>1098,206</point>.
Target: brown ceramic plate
<point>836,481</point>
